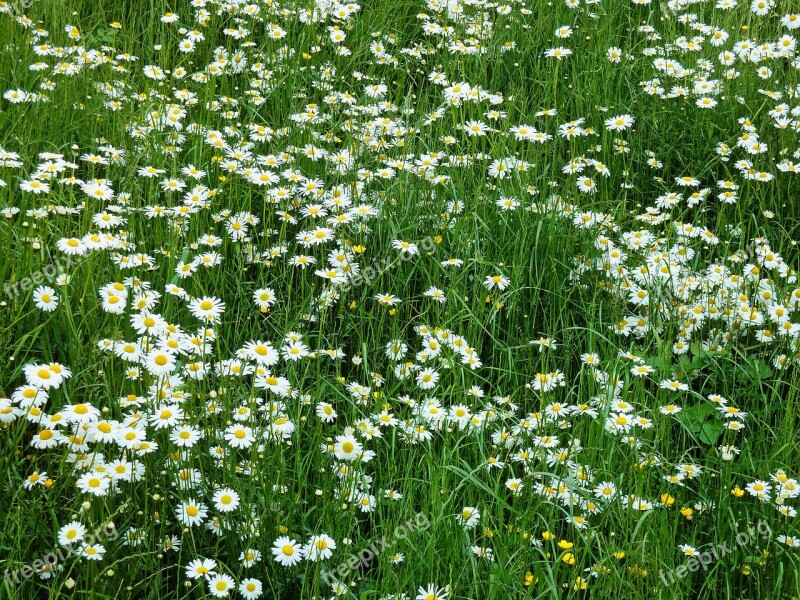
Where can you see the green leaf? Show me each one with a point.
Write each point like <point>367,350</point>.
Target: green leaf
<point>758,370</point>
<point>710,432</point>
<point>695,416</point>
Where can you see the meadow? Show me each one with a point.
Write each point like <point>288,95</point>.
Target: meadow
<point>399,299</point>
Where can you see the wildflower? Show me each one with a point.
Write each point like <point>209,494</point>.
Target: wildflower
<point>319,547</point>
<point>45,298</point>
<point>347,448</point>
<point>427,379</point>
<point>469,517</point>
<point>496,281</point>
<point>620,123</point>
<point>250,588</point>
<point>406,248</point>
<point>226,500</point>
<point>220,585</point>
<point>201,567</point>
<point>93,551</point>
<point>207,309</point>
<point>94,483</point>
<point>558,53</point>
<point>436,294</point>
<point>431,593</point>
<point>71,533</point>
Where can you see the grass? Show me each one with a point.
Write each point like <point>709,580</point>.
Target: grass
<point>708,327</point>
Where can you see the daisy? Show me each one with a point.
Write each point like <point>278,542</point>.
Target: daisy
<point>387,299</point>
<point>160,363</point>
<point>35,186</point>
<point>41,376</point>
<point>673,385</point>
<point>347,448</point>
<point>94,483</point>
<point>515,485</point>
<point>277,385</point>
<point>427,379</point>
<point>166,416</point>
<point>319,547</point>
<point>128,351</point>
<point>586,185</point>
<point>482,552</point>
<point>476,128</point>
<point>436,294</point>
<point>93,552</point>
<point>249,557</point>
<point>335,276</point>
<point>191,512</point>
<point>239,436</point>
<point>250,588</point>
<point>496,281</point>
<point>220,585</point>
<point>578,521</point>
<point>790,541</point>
<point>406,248</point>
<point>71,246</point>
<point>201,567</point>
<point>558,53</point>
<point>287,552</point>
<point>759,489</point>
<point>35,479</point>
<point>226,500</point>
<point>452,262</point>
<point>590,359</point>
<point>263,353</point>
<point>45,298</point>
<point>468,517</point>
<point>185,436</point>
<point>326,412</point>
<point>642,370</point>
<point>431,593</point>
<point>71,533</point>
<point>620,123</point>
<point>80,413</point>
<point>208,309</point>
<point>146,323</point>
<point>294,351</point>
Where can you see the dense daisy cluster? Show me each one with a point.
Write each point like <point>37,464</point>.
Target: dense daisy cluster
<point>281,336</point>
